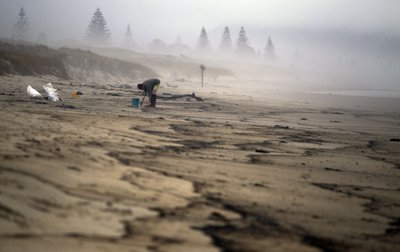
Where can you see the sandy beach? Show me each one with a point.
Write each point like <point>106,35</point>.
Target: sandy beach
<point>283,172</point>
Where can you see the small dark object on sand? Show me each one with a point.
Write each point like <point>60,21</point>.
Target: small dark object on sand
<point>394,139</point>
<point>76,94</point>
<point>262,151</point>
<point>114,94</point>
<point>332,169</point>
<point>281,127</point>
<point>64,106</point>
<point>9,94</point>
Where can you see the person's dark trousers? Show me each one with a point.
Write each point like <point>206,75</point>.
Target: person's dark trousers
<point>153,100</point>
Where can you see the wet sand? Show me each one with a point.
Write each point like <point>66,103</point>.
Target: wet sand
<point>286,172</point>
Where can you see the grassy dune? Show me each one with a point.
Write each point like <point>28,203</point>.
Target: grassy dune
<point>65,63</point>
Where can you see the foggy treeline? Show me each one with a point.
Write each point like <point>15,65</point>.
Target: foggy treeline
<point>98,34</point>
<point>370,59</point>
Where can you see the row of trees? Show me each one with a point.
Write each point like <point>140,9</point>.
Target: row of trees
<point>226,47</point>
<point>98,34</point>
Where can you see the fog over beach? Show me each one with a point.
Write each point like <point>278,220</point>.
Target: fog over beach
<point>258,125</point>
<point>356,44</point>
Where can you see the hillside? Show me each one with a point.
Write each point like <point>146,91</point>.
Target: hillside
<point>69,64</point>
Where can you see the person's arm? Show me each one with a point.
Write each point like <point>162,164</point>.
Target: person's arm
<point>148,92</point>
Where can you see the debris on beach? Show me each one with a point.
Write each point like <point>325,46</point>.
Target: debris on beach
<point>281,127</point>
<point>76,94</point>
<point>114,94</point>
<point>33,93</point>
<point>41,102</point>
<point>51,92</point>
<point>65,106</point>
<point>167,96</point>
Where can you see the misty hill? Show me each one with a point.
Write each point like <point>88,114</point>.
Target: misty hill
<point>168,66</point>
<point>69,64</point>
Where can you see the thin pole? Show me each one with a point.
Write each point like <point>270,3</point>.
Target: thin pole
<point>202,68</point>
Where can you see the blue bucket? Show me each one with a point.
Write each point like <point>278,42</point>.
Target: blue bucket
<point>135,102</point>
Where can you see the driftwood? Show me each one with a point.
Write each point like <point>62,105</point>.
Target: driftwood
<point>167,96</point>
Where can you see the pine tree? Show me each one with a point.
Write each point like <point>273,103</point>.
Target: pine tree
<point>203,43</point>
<point>242,39</point>
<point>269,49</point>
<point>21,27</point>
<point>128,41</point>
<point>226,41</point>
<point>97,32</point>
<point>242,46</point>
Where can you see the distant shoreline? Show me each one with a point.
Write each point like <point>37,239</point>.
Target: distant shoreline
<point>378,93</point>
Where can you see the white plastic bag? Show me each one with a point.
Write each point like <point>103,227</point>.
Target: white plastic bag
<point>51,92</point>
<point>33,93</point>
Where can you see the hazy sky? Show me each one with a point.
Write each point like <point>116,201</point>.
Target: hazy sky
<point>149,19</point>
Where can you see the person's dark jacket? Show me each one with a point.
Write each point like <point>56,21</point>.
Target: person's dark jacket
<point>148,86</point>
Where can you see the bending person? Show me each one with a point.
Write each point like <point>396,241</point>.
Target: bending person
<point>150,88</point>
